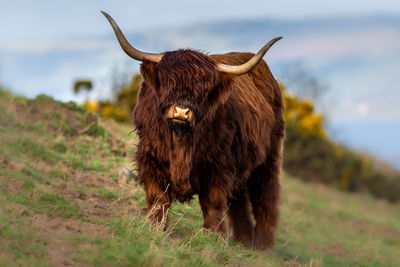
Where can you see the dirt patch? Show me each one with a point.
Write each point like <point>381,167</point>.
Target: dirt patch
<point>61,225</point>
<point>384,230</point>
<point>57,230</point>
<point>14,210</point>
<point>295,198</point>
<point>6,163</point>
<point>335,249</point>
<point>292,263</point>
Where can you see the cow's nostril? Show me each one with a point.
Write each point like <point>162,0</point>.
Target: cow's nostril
<point>181,112</point>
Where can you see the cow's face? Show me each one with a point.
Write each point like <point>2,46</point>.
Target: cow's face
<point>187,87</point>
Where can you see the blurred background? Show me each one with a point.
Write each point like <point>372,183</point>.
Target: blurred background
<point>338,65</point>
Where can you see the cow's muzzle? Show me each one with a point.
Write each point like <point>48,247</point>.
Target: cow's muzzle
<point>180,114</point>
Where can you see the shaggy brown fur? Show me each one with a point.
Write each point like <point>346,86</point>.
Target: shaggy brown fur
<point>230,157</point>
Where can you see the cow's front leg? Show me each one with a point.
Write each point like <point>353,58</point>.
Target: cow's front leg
<point>154,176</point>
<point>213,204</point>
<point>158,203</point>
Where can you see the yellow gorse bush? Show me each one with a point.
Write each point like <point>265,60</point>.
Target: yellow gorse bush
<point>302,114</point>
<point>109,110</point>
<point>91,105</point>
<point>120,108</point>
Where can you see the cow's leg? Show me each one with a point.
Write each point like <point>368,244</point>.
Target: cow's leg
<point>158,203</point>
<point>154,177</point>
<point>240,221</point>
<point>264,196</point>
<point>213,204</point>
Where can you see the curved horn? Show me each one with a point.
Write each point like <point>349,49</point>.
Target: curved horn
<point>246,67</point>
<point>130,50</point>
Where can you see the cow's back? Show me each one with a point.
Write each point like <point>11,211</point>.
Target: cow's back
<point>258,97</point>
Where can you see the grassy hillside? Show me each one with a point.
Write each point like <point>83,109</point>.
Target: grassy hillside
<point>62,203</point>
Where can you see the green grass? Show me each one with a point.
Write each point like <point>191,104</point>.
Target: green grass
<point>51,204</point>
<point>107,194</point>
<point>61,202</point>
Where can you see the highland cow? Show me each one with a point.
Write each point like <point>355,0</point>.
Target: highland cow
<point>210,125</point>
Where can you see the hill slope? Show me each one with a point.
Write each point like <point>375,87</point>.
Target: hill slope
<point>62,203</point>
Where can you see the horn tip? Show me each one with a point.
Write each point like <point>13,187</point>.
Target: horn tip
<point>104,13</point>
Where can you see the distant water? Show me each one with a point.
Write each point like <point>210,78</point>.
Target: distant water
<point>378,138</point>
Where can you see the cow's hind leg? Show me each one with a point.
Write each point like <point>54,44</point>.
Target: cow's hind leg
<point>264,196</point>
<point>239,218</point>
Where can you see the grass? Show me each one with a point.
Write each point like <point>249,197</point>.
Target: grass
<point>319,226</point>
<point>61,203</point>
<point>44,202</point>
<point>20,245</point>
<point>107,194</point>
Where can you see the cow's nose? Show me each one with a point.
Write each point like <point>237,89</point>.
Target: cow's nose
<point>181,113</point>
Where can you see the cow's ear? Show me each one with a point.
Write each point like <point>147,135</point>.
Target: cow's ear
<point>221,93</point>
<point>147,70</point>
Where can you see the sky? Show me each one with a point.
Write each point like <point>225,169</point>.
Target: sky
<point>44,20</point>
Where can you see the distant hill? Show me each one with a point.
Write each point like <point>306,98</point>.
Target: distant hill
<point>245,34</point>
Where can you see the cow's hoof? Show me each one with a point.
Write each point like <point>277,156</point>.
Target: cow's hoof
<point>263,240</point>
